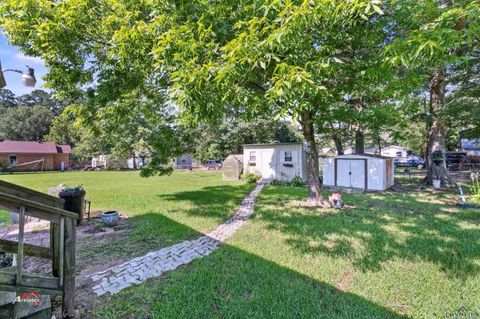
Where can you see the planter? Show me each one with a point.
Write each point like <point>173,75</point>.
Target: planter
<point>436,183</point>
<point>74,201</point>
<point>110,218</point>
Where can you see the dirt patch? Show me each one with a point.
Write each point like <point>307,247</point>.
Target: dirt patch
<point>346,280</point>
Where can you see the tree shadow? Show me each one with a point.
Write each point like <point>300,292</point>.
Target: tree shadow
<point>232,283</point>
<point>211,201</point>
<point>377,228</point>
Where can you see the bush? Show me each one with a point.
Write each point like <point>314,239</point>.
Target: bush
<point>297,181</point>
<point>251,178</point>
<point>4,166</point>
<point>294,182</point>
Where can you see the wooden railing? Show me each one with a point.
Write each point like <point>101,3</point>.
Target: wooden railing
<point>27,202</point>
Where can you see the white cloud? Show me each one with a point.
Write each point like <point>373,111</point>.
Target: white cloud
<point>30,59</point>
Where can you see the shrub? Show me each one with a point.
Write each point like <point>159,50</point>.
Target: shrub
<point>4,166</point>
<point>297,181</point>
<point>251,178</point>
<point>294,182</point>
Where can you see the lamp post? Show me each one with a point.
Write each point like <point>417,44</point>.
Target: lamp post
<point>28,77</point>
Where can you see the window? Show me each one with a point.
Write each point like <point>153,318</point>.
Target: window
<point>399,154</point>
<point>253,157</point>
<point>288,157</point>
<point>12,159</point>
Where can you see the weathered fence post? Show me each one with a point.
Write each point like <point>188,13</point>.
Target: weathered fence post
<point>69,262</point>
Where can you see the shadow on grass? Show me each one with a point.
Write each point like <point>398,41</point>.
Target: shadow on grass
<point>211,201</point>
<point>380,227</point>
<point>150,232</point>
<point>232,283</point>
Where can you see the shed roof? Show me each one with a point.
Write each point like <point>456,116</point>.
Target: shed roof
<point>366,155</point>
<point>237,157</point>
<point>272,144</point>
<point>29,147</point>
<point>471,144</point>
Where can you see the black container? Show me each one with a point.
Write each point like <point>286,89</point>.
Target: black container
<point>74,201</point>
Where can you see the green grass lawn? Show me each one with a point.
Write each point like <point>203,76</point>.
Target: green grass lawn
<point>5,217</point>
<point>395,255</point>
<point>163,210</point>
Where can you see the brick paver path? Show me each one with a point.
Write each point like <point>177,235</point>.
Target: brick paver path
<point>155,263</point>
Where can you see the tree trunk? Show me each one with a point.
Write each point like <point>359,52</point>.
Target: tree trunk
<point>134,161</point>
<point>437,133</point>
<point>359,141</point>
<point>379,143</point>
<point>314,194</point>
<point>338,144</point>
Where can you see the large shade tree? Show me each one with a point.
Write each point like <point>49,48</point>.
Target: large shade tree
<point>431,39</point>
<point>259,57</point>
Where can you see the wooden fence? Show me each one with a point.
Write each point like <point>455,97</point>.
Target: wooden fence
<point>61,252</point>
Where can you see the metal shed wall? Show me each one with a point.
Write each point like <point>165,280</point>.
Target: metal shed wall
<point>375,172</point>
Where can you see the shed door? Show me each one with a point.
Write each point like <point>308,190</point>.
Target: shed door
<point>267,168</point>
<point>357,176</point>
<point>351,173</point>
<point>343,173</point>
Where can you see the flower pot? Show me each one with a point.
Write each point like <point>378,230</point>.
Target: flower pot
<point>110,218</point>
<point>436,183</point>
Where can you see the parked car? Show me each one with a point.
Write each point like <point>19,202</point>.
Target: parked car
<point>457,160</point>
<point>213,165</point>
<point>412,161</point>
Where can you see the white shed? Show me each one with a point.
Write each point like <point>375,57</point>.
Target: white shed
<point>361,171</point>
<point>281,161</point>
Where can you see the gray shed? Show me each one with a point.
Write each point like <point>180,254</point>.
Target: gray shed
<point>233,166</point>
<point>184,161</point>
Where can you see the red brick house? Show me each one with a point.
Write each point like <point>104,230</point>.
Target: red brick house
<point>28,156</point>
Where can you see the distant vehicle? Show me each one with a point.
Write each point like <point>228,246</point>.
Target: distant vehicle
<point>213,165</point>
<point>457,160</point>
<point>412,161</point>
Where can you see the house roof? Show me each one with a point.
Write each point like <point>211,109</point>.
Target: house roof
<point>28,147</point>
<point>395,146</point>
<point>471,144</point>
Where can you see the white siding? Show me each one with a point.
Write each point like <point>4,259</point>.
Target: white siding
<point>274,165</point>
<point>376,174</point>
<point>392,152</point>
<point>328,172</point>
<point>376,171</point>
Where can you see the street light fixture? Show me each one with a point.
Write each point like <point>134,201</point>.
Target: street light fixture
<point>28,77</point>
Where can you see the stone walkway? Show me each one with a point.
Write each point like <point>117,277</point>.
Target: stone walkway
<point>158,262</point>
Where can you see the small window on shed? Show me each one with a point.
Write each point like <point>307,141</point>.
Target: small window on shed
<point>12,159</point>
<point>399,154</point>
<point>253,156</point>
<point>288,157</point>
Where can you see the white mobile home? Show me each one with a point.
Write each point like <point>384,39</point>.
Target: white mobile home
<point>396,151</point>
<point>281,161</point>
<point>360,171</point>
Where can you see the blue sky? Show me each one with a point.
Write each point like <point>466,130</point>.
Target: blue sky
<point>11,57</point>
